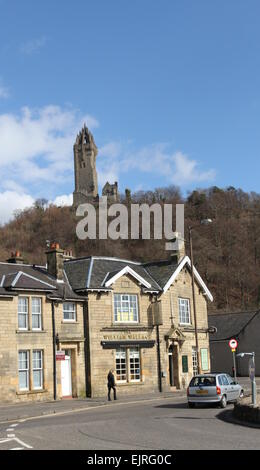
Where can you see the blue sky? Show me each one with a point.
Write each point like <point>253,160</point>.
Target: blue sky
<point>169,89</point>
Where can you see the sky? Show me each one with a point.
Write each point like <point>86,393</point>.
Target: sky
<point>170,91</point>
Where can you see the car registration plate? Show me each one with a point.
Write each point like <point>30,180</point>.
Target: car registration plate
<point>202,392</point>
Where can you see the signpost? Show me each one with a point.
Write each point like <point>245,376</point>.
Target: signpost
<point>233,346</point>
<point>251,371</point>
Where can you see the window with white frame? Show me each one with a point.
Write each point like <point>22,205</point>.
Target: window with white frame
<point>184,311</point>
<point>121,365</point>
<point>69,311</point>
<point>125,308</point>
<point>134,362</point>
<point>128,365</point>
<point>36,313</point>
<point>23,370</point>
<point>23,312</point>
<point>194,361</point>
<point>37,369</point>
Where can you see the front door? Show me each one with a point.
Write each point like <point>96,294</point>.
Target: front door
<point>173,366</point>
<point>66,376</point>
<point>171,369</point>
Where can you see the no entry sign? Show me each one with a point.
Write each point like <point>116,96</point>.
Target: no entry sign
<point>233,344</point>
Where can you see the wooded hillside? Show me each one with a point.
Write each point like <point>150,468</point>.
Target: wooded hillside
<point>226,253</point>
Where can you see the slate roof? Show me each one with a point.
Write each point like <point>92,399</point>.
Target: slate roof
<point>93,272</point>
<point>16,277</point>
<point>82,274</point>
<point>229,325</point>
<point>161,271</point>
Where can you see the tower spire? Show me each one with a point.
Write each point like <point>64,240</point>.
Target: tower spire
<point>85,153</point>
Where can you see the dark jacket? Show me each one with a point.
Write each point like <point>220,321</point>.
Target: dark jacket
<point>111,380</point>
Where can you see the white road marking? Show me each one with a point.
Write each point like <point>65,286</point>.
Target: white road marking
<point>10,436</point>
<point>2,441</point>
<point>14,425</point>
<point>21,443</point>
<point>17,448</point>
<point>9,430</point>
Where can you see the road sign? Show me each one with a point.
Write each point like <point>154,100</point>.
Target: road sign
<point>233,344</point>
<point>60,355</point>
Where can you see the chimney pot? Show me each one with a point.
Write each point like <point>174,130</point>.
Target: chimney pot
<point>55,261</point>
<point>178,254</point>
<point>15,258</point>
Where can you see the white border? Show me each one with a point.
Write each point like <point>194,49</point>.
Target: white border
<point>128,270</point>
<point>186,260</point>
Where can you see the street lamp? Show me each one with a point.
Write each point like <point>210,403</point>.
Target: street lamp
<point>251,373</point>
<point>203,222</point>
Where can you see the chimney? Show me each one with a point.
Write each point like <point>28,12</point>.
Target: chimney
<point>55,260</point>
<point>178,252</point>
<point>16,258</point>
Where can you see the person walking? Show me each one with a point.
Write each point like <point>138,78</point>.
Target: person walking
<point>111,384</point>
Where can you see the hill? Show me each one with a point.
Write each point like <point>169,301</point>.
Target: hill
<point>226,253</point>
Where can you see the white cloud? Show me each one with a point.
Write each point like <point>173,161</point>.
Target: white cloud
<point>174,167</point>
<point>112,150</point>
<point>187,171</point>
<point>36,159</point>
<point>33,45</point>
<point>65,200</point>
<point>10,201</point>
<point>37,145</point>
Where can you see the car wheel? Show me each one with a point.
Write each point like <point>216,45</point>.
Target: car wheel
<point>191,405</point>
<point>223,402</point>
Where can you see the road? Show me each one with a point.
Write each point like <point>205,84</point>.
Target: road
<point>151,424</point>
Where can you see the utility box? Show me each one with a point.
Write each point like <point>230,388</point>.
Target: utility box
<point>157,313</point>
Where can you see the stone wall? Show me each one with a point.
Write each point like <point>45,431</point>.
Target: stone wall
<point>103,327</point>
<point>13,340</point>
<point>246,412</point>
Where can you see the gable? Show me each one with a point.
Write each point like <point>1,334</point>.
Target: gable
<point>113,277</point>
<point>186,262</point>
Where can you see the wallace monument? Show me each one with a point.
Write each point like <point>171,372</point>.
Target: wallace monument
<point>86,181</point>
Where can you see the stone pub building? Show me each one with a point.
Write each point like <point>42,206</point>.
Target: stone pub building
<point>98,313</point>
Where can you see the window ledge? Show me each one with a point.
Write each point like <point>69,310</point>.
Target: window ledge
<point>70,322</point>
<point>127,384</point>
<point>125,326</point>
<point>31,392</point>
<point>30,331</point>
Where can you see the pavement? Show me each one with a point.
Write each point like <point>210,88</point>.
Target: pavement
<point>18,411</point>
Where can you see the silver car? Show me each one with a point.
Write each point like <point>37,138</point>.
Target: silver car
<point>213,388</point>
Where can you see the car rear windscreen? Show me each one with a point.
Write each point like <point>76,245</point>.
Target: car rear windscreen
<point>203,382</point>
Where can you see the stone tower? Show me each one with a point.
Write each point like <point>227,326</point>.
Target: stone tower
<point>85,153</point>
<point>111,191</point>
